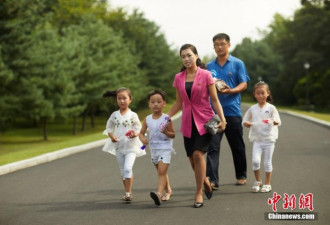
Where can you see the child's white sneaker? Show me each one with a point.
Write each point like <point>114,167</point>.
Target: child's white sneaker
<point>266,188</point>
<point>256,186</point>
<point>127,197</point>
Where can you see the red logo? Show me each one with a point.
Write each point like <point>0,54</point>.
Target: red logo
<point>305,201</point>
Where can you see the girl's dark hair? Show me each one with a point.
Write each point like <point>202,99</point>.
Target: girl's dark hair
<point>155,92</point>
<point>194,50</point>
<point>263,84</point>
<point>113,94</point>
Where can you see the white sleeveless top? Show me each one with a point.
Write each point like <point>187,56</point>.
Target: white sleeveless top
<point>158,140</point>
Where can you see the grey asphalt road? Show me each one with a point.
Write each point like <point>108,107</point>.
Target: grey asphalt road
<point>86,188</point>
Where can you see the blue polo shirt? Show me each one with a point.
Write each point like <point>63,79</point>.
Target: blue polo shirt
<point>233,72</point>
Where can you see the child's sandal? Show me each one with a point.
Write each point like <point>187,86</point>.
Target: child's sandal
<point>256,186</point>
<point>266,188</point>
<point>167,195</point>
<point>127,197</point>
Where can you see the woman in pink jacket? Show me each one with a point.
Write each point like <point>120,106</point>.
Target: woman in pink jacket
<point>194,87</point>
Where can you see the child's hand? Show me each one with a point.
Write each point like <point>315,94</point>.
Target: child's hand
<point>144,141</point>
<point>247,124</point>
<point>275,123</point>
<point>114,139</point>
<point>130,134</point>
<point>168,130</point>
<point>165,130</point>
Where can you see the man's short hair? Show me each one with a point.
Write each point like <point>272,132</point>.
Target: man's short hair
<point>221,36</point>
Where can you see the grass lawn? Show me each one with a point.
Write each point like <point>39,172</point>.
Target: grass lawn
<point>23,143</point>
<point>320,116</point>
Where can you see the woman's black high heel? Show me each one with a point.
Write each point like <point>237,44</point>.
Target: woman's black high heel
<point>208,194</point>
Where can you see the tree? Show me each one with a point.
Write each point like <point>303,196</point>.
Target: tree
<point>304,38</point>
<point>18,21</point>
<point>105,62</point>
<point>8,100</point>
<point>280,56</point>
<point>50,90</point>
<point>58,57</point>
<point>261,61</point>
<point>144,39</point>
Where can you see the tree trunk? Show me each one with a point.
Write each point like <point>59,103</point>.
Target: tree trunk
<point>74,132</point>
<point>44,128</point>
<point>92,120</point>
<point>83,125</point>
<point>35,123</point>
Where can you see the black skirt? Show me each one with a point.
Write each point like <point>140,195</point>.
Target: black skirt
<point>196,141</point>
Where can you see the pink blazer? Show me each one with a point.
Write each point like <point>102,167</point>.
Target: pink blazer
<point>199,105</point>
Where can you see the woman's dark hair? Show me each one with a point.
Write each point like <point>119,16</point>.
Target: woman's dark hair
<point>113,94</point>
<point>155,92</point>
<point>260,84</point>
<point>194,50</point>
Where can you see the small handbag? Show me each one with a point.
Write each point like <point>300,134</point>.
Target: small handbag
<point>220,85</point>
<point>210,125</point>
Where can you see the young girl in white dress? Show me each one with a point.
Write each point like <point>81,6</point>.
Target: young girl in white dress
<point>123,129</point>
<point>160,142</point>
<point>263,120</point>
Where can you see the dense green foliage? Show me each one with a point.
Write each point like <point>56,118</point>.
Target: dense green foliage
<point>280,56</point>
<point>58,57</point>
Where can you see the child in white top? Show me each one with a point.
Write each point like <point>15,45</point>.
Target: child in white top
<point>263,120</point>
<point>123,127</point>
<point>160,142</point>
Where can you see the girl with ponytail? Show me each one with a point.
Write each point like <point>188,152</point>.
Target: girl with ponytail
<point>123,128</point>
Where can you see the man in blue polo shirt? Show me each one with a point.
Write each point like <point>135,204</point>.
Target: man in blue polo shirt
<point>231,70</point>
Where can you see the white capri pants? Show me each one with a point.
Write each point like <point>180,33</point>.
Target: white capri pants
<point>126,162</point>
<point>266,148</point>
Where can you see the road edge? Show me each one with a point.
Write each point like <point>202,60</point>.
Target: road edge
<point>48,157</point>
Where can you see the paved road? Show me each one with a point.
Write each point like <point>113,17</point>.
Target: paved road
<point>86,188</point>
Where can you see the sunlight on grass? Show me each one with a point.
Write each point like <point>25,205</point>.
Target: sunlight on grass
<point>23,149</point>
<point>320,116</point>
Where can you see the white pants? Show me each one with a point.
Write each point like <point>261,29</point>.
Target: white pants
<point>126,162</point>
<point>266,148</point>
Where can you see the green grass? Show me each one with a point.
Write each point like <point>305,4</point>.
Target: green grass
<point>22,143</point>
<point>26,142</point>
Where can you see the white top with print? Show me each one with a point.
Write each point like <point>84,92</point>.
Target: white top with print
<point>263,128</point>
<point>119,125</point>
